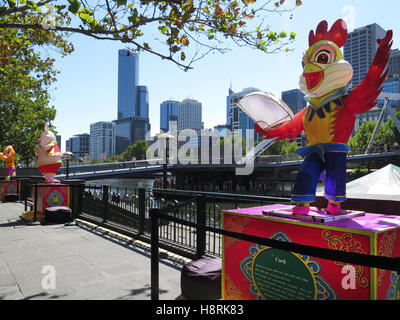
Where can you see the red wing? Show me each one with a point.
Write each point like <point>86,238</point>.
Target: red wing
<point>290,129</point>
<point>362,98</point>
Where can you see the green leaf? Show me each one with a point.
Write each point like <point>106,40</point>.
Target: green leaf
<point>121,2</point>
<point>74,6</point>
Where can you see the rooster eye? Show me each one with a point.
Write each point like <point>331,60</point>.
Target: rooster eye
<point>323,57</point>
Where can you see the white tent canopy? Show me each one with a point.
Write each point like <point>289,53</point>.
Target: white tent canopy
<point>385,181</point>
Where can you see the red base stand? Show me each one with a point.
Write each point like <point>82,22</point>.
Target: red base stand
<point>251,271</point>
<point>49,195</point>
<point>8,188</point>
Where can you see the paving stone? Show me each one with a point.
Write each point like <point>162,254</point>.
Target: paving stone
<point>87,264</point>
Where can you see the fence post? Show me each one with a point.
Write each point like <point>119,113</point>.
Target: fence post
<point>142,208</point>
<point>201,222</point>
<point>105,202</point>
<point>81,189</point>
<point>155,288</point>
<point>36,196</point>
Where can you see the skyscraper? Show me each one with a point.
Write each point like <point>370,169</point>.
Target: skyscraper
<point>360,49</point>
<point>132,122</point>
<point>168,112</point>
<point>294,99</point>
<point>128,131</point>
<point>394,63</point>
<point>128,78</point>
<point>142,106</point>
<point>78,145</point>
<point>101,140</point>
<point>236,118</point>
<point>190,115</point>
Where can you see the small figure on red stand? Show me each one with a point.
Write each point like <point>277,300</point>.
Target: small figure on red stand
<point>49,155</point>
<point>8,156</point>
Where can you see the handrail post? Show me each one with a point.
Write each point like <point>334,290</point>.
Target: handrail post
<point>105,202</point>
<point>35,203</point>
<point>142,208</point>
<point>155,288</point>
<point>200,230</point>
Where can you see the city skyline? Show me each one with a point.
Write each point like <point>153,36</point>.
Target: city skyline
<point>86,97</point>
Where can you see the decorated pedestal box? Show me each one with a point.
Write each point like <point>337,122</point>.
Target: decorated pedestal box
<point>7,188</point>
<point>50,195</point>
<point>251,271</point>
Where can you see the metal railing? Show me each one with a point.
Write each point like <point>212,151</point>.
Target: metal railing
<point>157,164</point>
<point>127,209</point>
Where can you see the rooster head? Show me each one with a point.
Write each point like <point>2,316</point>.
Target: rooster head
<point>324,68</point>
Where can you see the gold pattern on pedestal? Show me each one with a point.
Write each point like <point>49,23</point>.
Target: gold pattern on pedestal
<point>231,291</point>
<point>346,242</point>
<point>385,250</point>
<point>234,224</point>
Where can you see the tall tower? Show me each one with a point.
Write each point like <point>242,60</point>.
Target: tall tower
<point>360,49</point>
<point>190,115</point>
<point>128,78</point>
<point>168,112</point>
<point>132,123</point>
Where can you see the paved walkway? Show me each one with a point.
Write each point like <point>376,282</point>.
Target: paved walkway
<point>87,263</point>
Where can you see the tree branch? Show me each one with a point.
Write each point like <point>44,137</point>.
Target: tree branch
<point>20,8</point>
<point>100,35</point>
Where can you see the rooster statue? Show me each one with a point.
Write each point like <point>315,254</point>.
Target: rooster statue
<point>329,117</point>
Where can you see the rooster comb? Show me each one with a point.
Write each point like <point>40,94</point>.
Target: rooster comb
<point>337,33</point>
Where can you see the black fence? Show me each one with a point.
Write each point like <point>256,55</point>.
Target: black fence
<point>127,210</point>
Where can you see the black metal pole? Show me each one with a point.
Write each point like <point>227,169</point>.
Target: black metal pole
<point>142,209</point>
<point>35,203</point>
<point>200,228</point>
<point>67,170</point>
<point>105,202</point>
<point>155,289</point>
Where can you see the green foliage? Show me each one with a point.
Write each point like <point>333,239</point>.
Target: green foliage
<point>188,29</point>
<point>280,147</point>
<point>25,77</point>
<point>386,135</point>
<point>136,150</point>
<point>235,142</point>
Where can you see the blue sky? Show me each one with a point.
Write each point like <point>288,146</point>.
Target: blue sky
<point>86,90</point>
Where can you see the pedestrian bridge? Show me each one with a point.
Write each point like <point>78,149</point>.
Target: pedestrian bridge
<point>156,166</point>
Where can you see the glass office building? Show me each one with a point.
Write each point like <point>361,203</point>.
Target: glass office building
<point>132,122</point>
<point>294,99</point>
<point>142,106</point>
<point>128,77</point>
<point>168,112</point>
<point>128,131</point>
<point>360,49</point>
<point>236,118</point>
<point>101,140</point>
<point>190,115</point>
<point>78,145</point>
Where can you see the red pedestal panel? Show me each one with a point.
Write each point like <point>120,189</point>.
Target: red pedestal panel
<point>8,187</point>
<point>251,271</point>
<point>50,195</point>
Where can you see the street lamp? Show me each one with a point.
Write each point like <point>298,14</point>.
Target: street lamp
<point>165,136</point>
<point>67,156</point>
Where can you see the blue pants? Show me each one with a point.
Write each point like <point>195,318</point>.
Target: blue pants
<point>332,171</point>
